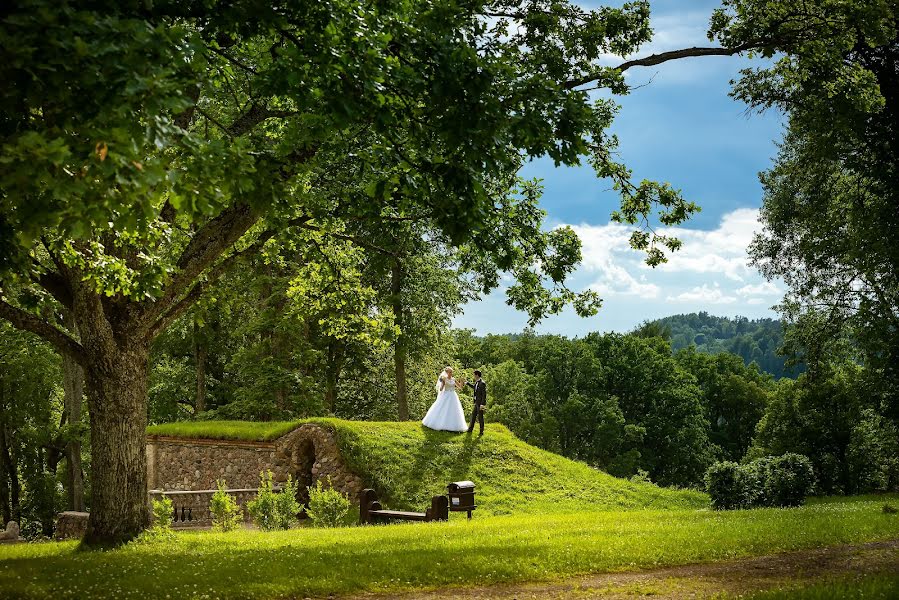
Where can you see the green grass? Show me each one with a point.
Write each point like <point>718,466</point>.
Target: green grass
<point>407,464</point>
<point>226,430</point>
<point>502,549</point>
<point>877,587</point>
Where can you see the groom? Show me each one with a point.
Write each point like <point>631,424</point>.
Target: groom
<point>480,400</point>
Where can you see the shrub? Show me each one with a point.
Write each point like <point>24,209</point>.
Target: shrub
<point>262,508</point>
<point>287,507</point>
<point>769,481</point>
<point>161,528</point>
<point>162,513</point>
<point>327,507</point>
<point>726,485</point>
<point>789,480</point>
<point>226,514</point>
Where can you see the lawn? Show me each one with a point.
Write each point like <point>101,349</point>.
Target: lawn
<point>308,562</point>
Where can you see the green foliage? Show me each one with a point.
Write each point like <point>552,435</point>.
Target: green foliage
<point>287,507</point>
<point>327,506</point>
<point>162,513</point>
<point>726,483</point>
<point>226,514</point>
<point>869,587</point>
<point>271,509</point>
<point>160,531</point>
<point>771,481</point>
<point>497,550</point>
<point>753,340</point>
<point>263,509</point>
<point>872,456</point>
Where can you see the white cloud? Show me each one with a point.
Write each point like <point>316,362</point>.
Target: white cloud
<point>766,288</point>
<point>705,294</point>
<point>719,251</point>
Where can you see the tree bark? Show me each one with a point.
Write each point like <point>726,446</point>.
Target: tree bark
<point>399,352</point>
<point>116,381</point>
<point>200,360</point>
<point>8,470</point>
<point>73,394</point>
<point>5,510</point>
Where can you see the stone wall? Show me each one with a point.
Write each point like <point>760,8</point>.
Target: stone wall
<point>307,454</point>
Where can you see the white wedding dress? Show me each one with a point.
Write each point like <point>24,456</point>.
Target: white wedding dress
<point>446,413</point>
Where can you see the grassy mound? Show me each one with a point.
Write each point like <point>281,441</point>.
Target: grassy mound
<point>407,464</point>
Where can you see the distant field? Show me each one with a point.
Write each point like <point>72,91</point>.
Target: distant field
<point>529,547</point>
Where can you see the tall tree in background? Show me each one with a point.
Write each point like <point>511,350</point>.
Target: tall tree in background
<point>129,185</point>
<point>829,213</point>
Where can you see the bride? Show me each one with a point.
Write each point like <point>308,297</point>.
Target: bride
<point>446,412</point>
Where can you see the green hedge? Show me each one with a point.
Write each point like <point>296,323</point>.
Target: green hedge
<point>770,481</point>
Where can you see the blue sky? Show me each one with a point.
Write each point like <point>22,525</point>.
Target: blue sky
<point>684,129</point>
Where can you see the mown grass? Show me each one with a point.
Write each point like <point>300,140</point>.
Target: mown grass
<point>226,430</point>
<point>309,562</point>
<point>408,464</point>
<point>878,587</point>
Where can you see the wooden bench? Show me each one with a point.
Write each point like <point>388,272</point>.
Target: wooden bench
<point>371,511</point>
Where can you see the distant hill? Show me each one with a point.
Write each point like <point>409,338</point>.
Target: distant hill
<point>751,339</point>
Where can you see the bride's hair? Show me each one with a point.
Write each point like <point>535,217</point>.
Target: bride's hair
<point>445,373</point>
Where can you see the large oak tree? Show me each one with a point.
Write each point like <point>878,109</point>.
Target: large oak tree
<point>149,146</point>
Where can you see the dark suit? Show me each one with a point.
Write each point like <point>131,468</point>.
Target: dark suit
<point>480,400</point>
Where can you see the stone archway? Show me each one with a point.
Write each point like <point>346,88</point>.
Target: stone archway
<point>310,453</point>
<point>303,462</point>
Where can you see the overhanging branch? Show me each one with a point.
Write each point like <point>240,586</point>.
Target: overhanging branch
<point>663,57</point>
<point>26,321</point>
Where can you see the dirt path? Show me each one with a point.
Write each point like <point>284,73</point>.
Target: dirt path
<point>691,581</point>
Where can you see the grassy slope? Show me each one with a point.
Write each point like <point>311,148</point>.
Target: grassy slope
<point>307,562</point>
<point>408,464</point>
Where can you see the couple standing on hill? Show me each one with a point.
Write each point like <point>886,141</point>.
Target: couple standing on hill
<point>446,413</point>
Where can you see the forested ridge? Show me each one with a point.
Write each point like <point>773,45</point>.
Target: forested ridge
<point>754,340</point>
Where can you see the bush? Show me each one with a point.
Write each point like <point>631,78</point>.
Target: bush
<point>161,528</point>
<point>162,513</point>
<point>262,508</point>
<point>271,510</point>
<point>726,484</point>
<point>287,507</point>
<point>769,481</point>
<point>327,507</point>
<point>789,480</point>
<point>226,514</point>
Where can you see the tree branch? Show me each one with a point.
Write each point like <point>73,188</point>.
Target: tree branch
<point>663,57</point>
<point>26,321</point>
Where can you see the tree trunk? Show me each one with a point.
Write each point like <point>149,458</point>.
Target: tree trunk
<point>116,381</point>
<point>5,508</point>
<point>9,471</point>
<point>73,394</point>
<point>399,353</point>
<point>200,360</point>
<point>332,374</point>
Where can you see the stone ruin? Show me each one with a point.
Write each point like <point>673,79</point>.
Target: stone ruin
<point>186,469</point>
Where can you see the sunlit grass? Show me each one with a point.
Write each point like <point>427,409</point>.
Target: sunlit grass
<point>226,430</point>
<point>878,587</point>
<point>485,551</point>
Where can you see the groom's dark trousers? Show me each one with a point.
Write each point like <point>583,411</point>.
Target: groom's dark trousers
<point>480,400</point>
